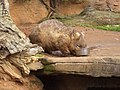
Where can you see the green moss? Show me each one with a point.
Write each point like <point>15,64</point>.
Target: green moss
<point>48,69</point>
<point>109,27</point>
<point>39,55</point>
<point>79,21</point>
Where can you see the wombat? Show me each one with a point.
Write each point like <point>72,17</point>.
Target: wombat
<point>53,35</point>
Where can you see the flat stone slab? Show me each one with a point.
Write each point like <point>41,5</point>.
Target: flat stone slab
<point>104,66</point>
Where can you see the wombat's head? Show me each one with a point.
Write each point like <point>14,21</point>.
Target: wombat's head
<point>79,40</point>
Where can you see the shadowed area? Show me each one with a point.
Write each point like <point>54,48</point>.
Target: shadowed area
<point>76,82</point>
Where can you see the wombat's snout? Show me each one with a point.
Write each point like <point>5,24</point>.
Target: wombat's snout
<point>83,52</point>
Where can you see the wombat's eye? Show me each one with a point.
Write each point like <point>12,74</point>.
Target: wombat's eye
<point>77,47</point>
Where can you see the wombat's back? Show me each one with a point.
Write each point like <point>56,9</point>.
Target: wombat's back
<point>49,34</point>
<point>53,35</point>
<point>55,26</point>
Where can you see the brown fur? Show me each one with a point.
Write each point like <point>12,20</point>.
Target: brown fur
<point>53,35</point>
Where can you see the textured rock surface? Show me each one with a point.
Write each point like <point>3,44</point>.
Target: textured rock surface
<point>105,66</point>
<point>13,41</point>
<point>32,11</point>
<point>107,5</point>
<point>30,83</point>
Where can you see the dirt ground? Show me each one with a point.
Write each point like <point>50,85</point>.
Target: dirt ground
<point>107,43</point>
<point>31,83</point>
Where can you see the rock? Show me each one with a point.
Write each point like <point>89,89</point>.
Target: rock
<point>34,50</point>
<point>35,66</point>
<point>97,17</point>
<point>107,5</point>
<point>12,40</point>
<point>29,14</point>
<point>31,83</point>
<point>96,66</point>
<point>10,69</point>
<point>15,48</point>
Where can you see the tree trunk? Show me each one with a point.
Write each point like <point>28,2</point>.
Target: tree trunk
<point>13,41</point>
<point>51,7</point>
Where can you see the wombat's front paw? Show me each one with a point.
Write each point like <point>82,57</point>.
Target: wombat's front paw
<point>56,53</point>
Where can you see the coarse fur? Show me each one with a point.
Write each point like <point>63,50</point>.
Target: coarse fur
<point>53,35</point>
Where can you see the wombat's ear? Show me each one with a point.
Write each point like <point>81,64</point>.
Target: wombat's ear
<point>77,35</point>
<point>82,35</point>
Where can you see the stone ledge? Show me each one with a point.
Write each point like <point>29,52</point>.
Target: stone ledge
<point>99,66</point>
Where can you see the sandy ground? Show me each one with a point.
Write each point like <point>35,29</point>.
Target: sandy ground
<point>107,42</point>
